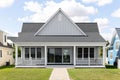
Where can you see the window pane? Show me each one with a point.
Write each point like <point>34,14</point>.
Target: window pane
<point>26,52</point>
<point>33,52</point>
<point>91,52</point>
<point>0,53</point>
<point>51,55</point>
<point>5,38</point>
<point>79,52</point>
<point>85,52</point>
<point>38,52</point>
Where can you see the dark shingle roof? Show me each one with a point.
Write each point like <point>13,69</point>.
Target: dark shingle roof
<point>86,27</point>
<point>29,29</point>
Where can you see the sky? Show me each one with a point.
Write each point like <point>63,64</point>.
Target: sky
<point>13,13</point>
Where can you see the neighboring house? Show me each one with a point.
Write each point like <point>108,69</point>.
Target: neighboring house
<point>60,41</point>
<point>114,49</point>
<point>6,50</point>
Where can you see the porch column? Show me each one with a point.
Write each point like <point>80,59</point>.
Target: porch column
<point>104,55</point>
<point>16,55</point>
<point>74,55</point>
<point>45,55</point>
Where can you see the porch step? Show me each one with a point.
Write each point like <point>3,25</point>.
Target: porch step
<point>60,66</point>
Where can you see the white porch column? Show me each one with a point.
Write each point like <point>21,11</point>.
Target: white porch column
<point>104,55</point>
<point>16,55</point>
<point>74,55</point>
<point>45,55</point>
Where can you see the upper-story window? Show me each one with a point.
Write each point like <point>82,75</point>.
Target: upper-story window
<point>5,38</point>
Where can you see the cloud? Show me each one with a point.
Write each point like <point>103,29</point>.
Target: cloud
<point>105,29</point>
<point>108,33</point>
<point>98,2</point>
<point>116,13</point>
<point>102,23</point>
<point>104,2</point>
<point>89,1</point>
<point>42,11</point>
<point>6,3</point>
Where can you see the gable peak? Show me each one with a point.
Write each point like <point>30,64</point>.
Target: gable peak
<point>59,19</point>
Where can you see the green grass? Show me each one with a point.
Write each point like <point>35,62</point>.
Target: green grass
<point>94,74</point>
<point>11,73</point>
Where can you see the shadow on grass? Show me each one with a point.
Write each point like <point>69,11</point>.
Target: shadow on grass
<point>4,67</point>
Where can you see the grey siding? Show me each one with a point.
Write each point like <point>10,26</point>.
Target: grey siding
<point>60,25</point>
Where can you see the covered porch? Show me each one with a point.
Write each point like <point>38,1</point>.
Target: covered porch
<point>43,56</point>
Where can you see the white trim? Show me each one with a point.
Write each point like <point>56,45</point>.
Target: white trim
<point>53,17</point>
<point>74,55</point>
<point>45,55</point>
<point>61,43</point>
<point>89,66</point>
<point>29,66</point>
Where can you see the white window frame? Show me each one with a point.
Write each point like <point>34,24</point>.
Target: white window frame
<point>83,51</point>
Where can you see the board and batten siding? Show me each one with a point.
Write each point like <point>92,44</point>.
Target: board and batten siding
<point>60,25</point>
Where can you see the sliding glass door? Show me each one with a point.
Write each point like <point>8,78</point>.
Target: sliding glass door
<point>59,55</point>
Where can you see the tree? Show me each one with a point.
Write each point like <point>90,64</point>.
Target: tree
<point>19,51</point>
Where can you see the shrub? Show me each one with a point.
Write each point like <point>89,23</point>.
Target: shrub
<point>110,67</point>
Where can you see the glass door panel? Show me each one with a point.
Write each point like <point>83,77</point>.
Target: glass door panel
<point>51,55</point>
<point>66,55</point>
<point>58,55</point>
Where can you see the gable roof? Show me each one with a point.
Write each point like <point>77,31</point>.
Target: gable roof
<point>117,31</point>
<point>33,27</point>
<point>29,37</point>
<point>65,16</point>
<point>29,32</point>
<point>29,29</point>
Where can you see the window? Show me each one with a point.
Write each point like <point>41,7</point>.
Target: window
<point>111,55</point>
<point>91,52</point>
<point>0,53</point>
<point>79,52</point>
<point>117,45</point>
<point>26,52</point>
<point>5,38</point>
<point>33,52</point>
<point>85,52</point>
<point>38,52</point>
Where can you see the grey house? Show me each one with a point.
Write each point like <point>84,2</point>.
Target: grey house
<point>60,41</point>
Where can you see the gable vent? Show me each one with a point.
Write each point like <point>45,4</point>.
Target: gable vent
<point>59,17</point>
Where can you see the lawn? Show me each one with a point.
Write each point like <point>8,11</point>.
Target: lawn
<point>94,74</point>
<point>11,73</point>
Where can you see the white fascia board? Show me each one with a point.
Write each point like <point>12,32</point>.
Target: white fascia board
<point>60,43</point>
